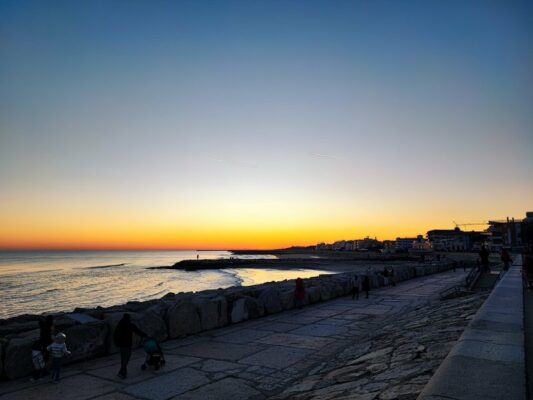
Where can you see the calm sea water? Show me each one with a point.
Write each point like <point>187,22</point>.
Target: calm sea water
<point>37,282</point>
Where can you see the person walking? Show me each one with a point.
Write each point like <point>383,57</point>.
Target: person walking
<point>299,293</point>
<point>366,285</point>
<point>46,335</point>
<point>356,286</point>
<point>123,338</point>
<point>506,259</point>
<point>484,256</point>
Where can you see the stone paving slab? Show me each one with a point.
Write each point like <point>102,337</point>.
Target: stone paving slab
<point>510,338</point>
<point>23,383</point>
<point>321,312</point>
<point>277,357</point>
<point>217,350</point>
<point>298,341</point>
<point>167,386</point>
<point>221,366</point>
<point>114,396</point>
<point>226,389</point>
<point>242,336</point>
<point>489,351</point>
<point>298,319</point>
<point>77,387</point>
<point>333,321</point>
<point>278,326</point>
<point>136,374</point>
<point>320,329</point>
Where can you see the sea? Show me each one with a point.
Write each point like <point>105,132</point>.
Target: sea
<point>36,282</point>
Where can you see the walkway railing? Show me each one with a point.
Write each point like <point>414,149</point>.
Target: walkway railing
<point>472,277</point>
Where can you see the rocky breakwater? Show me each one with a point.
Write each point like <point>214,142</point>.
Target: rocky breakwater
<point>89,331</point>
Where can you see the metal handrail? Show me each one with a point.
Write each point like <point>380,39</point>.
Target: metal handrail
<point>472,275</point>
<point>448,291</point>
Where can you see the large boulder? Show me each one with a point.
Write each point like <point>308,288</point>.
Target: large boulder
<point>17,360</point>
<point>338,289</point>
<point>239,312</point>
<point>86,340</point>
<point>183,319</point>
<point>271,301</point>
<point>313,294</point>
<point>153,324</point>
<point>254,307</point>
<point>287,299</point>
<point>326,291</point>
<point>16,327</point>
<point>213,311</point>
<point>2,344</point>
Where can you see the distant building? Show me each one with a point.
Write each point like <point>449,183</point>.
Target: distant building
<point>349,245</point>
<point>367,244</point>
<point>506,233</point>
<point>404,244</point>
<point>422,244</point>
<point>389,246</point>
<point>339,245</point>
<point>323,246</point>
<point>456,239</point>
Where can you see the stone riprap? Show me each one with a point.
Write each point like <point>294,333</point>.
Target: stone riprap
<point>89,331</point>
<point>341,348</point>
<point>488,361</point>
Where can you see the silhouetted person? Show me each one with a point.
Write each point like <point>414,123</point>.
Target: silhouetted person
<point>385,275</point>
<point>366,285</point>
<point>392,276</point>
<point>484,256</point>
<point>37,360</point>
<point>506,259</point>
<point>356,286</point>
<point>46,335</point>
<point>299,293</point>
<point>123,338</point>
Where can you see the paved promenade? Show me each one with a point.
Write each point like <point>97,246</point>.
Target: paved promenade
<point>268,357</point>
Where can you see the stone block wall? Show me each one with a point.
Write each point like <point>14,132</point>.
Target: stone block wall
<point>90,331</point>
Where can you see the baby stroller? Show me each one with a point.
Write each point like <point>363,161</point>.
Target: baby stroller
<point>154,354</point>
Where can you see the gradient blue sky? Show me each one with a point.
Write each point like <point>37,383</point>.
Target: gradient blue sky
<point>260,123</point>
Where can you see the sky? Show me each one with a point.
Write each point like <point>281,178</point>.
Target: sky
<point>260,124</point>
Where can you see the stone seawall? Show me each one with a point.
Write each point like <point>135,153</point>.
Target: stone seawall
<point>177,315</point>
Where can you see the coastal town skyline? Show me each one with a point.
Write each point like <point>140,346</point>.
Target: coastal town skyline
<point>234,125</point>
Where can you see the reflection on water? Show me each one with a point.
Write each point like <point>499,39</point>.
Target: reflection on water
<point>37,282</point>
